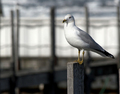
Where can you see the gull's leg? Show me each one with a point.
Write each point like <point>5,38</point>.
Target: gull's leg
<point>82,58</point>
<point>79,57</point>
<point>80,62</point>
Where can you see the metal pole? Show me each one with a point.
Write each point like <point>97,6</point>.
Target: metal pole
<point>118,25</point>
<point>17,59</point>
<point>51,88</point>
<point>87,19</point>
<point>1,12</point>
<point>87,66</point>
<point>52,20</point>
<point>13,36</point>
<point>13,80</point>
<point>87,24</point>
<point>17,42</point>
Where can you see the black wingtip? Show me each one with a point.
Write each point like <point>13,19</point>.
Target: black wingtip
<point>109,55</point>
<point>112,57</point>
<point>106,53</point>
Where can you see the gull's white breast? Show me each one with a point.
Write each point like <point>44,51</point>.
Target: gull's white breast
<point>73,39</point>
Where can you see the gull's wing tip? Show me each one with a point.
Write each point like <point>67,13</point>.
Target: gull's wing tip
<point>105,53</point>
<point>111,56</point>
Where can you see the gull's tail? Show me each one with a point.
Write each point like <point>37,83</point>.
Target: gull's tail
<point>108,54</point>
<point>105,53</point>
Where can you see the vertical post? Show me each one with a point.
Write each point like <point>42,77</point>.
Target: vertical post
<point>119,80</point>
<point>17,59</point>
<point>87,23</point>
<point>13,80</point>
<point>12,36</point>
<point>87,19</point>
<point>75,78</point>
<point>51,88</point>
<point>1,12</point>
<point>52,20</point>
<point>17,41</point>
<point>118,25</point>
<point>87,66</point>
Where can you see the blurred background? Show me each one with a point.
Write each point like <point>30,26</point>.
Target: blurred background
<point>34,52</point>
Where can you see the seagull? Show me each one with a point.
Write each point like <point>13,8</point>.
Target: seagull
<point>81,39</point>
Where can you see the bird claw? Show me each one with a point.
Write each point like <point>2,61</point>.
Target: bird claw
<point>80,62</point>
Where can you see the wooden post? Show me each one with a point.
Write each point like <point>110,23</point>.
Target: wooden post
<point>75,78</point>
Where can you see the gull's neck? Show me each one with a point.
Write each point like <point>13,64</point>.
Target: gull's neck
<point>69,24</point>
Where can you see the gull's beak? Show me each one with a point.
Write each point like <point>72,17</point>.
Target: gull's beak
<point>64,20</point>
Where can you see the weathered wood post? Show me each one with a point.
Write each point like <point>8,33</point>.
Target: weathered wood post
<point>75,78</point>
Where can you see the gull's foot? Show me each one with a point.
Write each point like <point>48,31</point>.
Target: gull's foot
<point>80,62</point>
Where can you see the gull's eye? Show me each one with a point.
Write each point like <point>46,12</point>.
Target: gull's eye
<point>69,17</point>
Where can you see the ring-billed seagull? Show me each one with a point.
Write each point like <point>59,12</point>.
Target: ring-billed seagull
<point>80,39</point>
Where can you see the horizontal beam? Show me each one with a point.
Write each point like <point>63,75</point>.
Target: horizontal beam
<point>4,84</point>
<point>33,79</point>
<point>60,75</point>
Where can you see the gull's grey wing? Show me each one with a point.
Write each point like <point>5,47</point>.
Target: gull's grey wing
<point>88,39</point>
<point>92,44</point>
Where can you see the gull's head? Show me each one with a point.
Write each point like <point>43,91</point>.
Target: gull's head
<point>68,19</point>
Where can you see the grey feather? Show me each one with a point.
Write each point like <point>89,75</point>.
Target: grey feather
<point>93,46</point>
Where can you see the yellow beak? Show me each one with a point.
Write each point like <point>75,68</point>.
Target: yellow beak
<point>64,20</point>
